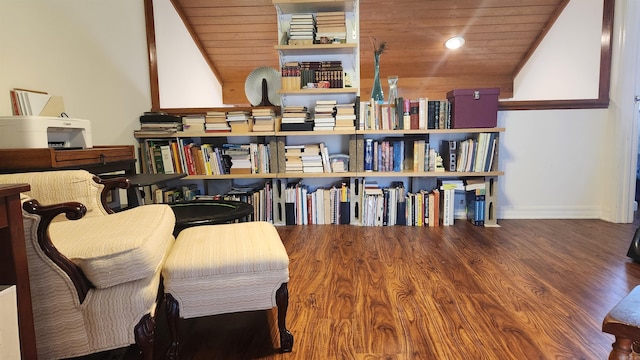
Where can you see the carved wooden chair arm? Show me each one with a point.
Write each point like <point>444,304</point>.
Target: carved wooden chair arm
<point>73,211</point>
<point>110,184</point>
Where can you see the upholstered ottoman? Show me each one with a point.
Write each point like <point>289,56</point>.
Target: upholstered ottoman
<point>217,269</point>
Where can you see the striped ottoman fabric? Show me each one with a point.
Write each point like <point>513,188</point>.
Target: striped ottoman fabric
<point>218,269</point>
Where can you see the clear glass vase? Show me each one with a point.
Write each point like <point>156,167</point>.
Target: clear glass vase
<point>376,91</point>
<point>393,89</point>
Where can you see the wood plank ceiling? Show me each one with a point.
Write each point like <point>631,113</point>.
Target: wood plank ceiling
<point>238,36</point>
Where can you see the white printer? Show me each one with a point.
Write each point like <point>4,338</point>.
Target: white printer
<point>43,132</point>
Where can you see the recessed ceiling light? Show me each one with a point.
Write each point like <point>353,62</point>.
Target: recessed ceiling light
<point>454,43</point>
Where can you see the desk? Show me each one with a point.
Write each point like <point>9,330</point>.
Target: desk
<point>13,262</point>
<point>208,212</point>
<point>96,160</point>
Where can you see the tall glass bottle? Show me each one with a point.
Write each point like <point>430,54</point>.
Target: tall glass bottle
<point>393,89</point>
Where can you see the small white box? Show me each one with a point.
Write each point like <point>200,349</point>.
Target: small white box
<point>9,335</point>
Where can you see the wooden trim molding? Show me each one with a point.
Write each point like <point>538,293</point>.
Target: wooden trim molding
<point>153,58</point>
<point>602,102</point>
<point>73,211</point>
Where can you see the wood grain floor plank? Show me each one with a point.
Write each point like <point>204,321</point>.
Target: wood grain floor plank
<point>529,289</point>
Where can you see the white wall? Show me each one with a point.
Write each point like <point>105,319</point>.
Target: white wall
<point>552,158</point>
<point>551,161</point>
<point>91,52</point>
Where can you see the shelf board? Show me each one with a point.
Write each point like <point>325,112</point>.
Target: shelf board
<point>316,175</point>
<point>230,176</point>
<point>188,134</point>
<point>429,131</point>
<point>373,174</point>
<point>316,48</point>
<point>314,133</point>
<point>319,91</point>
<point>310,6</point>
<point>438,174</point>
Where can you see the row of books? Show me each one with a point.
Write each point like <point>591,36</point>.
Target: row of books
<point>260,197</point>
<point>173,194</point>
<point>469,194</point>
<point>355,202</point>
<point>411,153</point>
<point>395,154</point>
<point>405,114</point>
<point>185,155</point>
<point>389,206</point>
<point>394,206</point>
<point>322,206</point>
<point>312,74</point>
<point>470,155</point>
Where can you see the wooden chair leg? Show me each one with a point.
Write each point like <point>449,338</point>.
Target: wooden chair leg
<point>173,317</point>
<point>282,300</point>
<point>144,332</point>
<point>621,349</point>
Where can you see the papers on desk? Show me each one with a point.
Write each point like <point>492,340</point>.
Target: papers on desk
<point>39,103</point>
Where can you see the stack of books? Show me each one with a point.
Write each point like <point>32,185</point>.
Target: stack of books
<point>311,159</point>
<point>296,118</point>
<point>240,158</point>
<point>152,123</point>
<point>345,117</point>
<point>216,121</point>
<point>240,121</point>
<point>302,29</point>
<point>193,123</point>
<point>331,27</point>
<point>263,119</point>
<point>293,158</point>
<point>324,115</point>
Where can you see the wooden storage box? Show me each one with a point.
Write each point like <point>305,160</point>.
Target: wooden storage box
<point>474,108</point>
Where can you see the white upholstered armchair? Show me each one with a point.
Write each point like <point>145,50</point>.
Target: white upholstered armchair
<point>94,275</point>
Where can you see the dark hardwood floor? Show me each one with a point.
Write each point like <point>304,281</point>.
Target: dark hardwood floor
<point>530,289</point>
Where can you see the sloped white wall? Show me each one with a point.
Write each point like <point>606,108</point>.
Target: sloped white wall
<point>184,77</point>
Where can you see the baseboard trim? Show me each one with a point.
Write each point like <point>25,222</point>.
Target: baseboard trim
<point>549,212</point>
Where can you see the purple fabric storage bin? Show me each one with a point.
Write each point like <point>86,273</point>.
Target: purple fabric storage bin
<point>474,108</point>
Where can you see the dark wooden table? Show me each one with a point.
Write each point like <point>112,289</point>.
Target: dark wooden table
<point>96,160</point>
<point>13,262</point>
<point>146,180</point>
<point>209,212</point>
